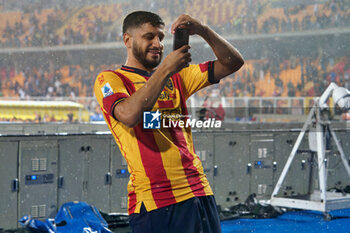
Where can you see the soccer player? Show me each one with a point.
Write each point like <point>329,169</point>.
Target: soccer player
<point>168,190</point>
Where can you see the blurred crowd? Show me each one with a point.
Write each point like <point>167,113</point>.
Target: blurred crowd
<point>293,77</point>
<point>261,17</point>
<point>62,22</point>
<point>67,81</point>
<point>281,75</point>
<point>290,76</point>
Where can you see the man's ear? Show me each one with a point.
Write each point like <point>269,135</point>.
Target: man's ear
<point>127,38</point>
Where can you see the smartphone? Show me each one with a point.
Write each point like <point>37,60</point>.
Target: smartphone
<point>181,38</point>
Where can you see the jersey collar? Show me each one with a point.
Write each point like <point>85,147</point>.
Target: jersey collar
<point>137,71</point>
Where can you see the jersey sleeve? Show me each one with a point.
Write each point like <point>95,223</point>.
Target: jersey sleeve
<point>109,91</point>
<point>196,77</point>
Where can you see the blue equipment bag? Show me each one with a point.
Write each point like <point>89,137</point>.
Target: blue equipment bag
<point>72,217</point>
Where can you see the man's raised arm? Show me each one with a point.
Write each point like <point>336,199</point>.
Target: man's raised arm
<point>229,59</point>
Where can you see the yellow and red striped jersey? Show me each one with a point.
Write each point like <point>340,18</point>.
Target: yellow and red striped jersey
<point>164,168</point>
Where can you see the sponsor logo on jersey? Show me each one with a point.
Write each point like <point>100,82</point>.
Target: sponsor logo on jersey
<point>170,85</point>
<point>107,90</point>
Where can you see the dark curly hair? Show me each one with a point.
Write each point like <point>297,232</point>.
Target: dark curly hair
<point>138,18</point>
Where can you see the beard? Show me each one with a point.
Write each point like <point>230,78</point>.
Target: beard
<point>141,56</point>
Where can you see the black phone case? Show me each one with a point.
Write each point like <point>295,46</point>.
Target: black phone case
<point>181,38</point>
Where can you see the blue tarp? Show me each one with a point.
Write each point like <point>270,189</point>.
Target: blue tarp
<point>82,218</point>
<point>300,221</point>
<point>72,217</point>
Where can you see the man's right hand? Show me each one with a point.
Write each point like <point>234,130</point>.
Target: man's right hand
<point>177,60</point>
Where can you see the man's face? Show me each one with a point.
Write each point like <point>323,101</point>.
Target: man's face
<point>147,46</point>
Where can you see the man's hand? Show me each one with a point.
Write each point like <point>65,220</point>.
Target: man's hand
<point>229,60</point>
<point>176,60</point>
<point>186,21</point>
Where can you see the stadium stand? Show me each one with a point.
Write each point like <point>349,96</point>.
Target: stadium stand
<point>59,23</point>
<point>254,79</point>
<point>101,23</point>
<point>43,111</point>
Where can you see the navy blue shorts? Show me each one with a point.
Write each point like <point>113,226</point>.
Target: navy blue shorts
<point>195,215</point>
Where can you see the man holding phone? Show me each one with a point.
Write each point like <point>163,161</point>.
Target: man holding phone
<point>168,190</point>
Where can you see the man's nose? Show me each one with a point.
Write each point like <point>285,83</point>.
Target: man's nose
<point>157,42</point>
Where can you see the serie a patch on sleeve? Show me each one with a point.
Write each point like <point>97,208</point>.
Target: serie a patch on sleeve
<point>107,90</point>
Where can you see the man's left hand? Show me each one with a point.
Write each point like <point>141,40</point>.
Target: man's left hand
<point>186,21</point>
